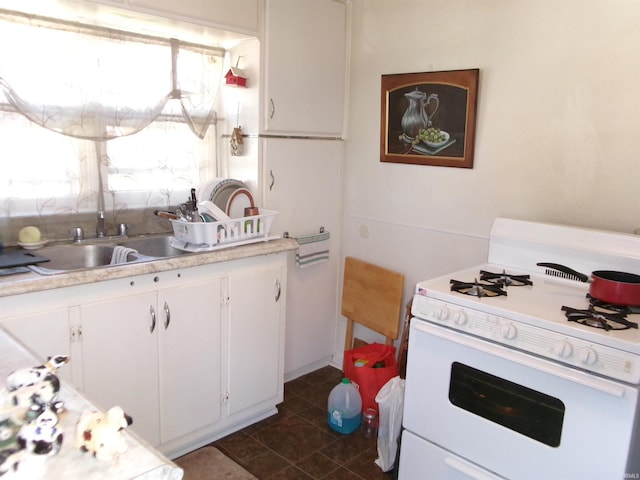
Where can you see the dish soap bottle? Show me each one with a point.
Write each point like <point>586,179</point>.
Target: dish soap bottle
<point>344,407</point>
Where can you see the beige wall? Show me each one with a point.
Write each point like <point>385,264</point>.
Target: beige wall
<point>558,125</point>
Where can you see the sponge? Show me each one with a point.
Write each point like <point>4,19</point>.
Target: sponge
<point>29,235</point>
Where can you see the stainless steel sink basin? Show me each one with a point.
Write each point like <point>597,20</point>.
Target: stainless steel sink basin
<point>73,257</point>
<point>76,257</point>
<point>157,246</point>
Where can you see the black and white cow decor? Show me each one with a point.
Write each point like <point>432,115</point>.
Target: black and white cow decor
<point>25,377</point>
<point>41,435</point>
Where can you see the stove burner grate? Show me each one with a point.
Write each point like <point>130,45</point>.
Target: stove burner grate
<point>599,319</point>
<point>477,289</point>
<point>505,279</point>
<point>600,305</point>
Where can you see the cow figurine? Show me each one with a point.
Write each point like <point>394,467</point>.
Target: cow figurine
<point>41,435</point>
<point>101,433</point>
<point>25,377</point>
<point>40,393</point>
<point>10,458</point>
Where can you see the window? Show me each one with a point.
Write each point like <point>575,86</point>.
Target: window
<point>95,118</point>
<point>531,413</point>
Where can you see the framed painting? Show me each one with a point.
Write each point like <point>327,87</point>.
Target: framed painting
<point>429,118</point>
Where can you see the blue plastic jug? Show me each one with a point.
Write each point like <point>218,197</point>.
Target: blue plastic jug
<point>344,407</point>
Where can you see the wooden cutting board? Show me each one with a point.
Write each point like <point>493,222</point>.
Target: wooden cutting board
<point>19,258</point>
<point>371,296</point>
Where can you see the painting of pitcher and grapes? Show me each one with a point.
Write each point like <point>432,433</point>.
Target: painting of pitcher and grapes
<point>429,118</point>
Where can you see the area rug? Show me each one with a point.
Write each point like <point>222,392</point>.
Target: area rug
<point>209,463</point>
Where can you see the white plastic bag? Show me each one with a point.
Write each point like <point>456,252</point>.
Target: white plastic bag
<point>390,400</point>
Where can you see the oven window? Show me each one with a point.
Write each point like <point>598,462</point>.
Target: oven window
<point>521,409</point>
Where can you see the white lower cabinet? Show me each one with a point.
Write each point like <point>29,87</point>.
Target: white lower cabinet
<point>189,358</point>
<point>120,359</point>
<point>190,354</point>
<point>46,333</point>
<point>256,337</point>
<point>158,356</point>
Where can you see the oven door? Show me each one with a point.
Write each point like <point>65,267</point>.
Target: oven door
<point>514,414</point>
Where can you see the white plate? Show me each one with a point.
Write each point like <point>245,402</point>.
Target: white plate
<point>213,210</point>
<point>223,190</point>
<point>439,144</point>
<point>238,201</point>
<point>35,245</point>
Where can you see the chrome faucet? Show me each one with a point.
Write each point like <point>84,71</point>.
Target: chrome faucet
<point>78,234</point>
<point>101,229</point>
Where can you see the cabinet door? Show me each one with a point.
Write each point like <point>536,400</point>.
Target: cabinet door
<point>120,358</point>
<point>308,175</point>
<point>305,66</point>
<point>190,360</point>
<point>255,337</point>
<point>45,334</point>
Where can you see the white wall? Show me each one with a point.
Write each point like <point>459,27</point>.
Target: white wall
<point>557,126</point>
<point>240,107</point>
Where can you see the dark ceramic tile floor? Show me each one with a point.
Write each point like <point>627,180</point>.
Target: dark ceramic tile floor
<point>298,444</point>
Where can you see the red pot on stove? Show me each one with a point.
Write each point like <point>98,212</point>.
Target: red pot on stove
<point>619,288</point>
<point>609,286</point>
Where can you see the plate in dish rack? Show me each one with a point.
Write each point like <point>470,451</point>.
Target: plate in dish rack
<point>222,190</point>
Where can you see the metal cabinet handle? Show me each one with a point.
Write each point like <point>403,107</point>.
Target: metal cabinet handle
<point>272,110</point>
<point>278,289</point>
<point>153,319</point>
<point>273,180</point>
<point>468,470</point>
<point>167,315</point>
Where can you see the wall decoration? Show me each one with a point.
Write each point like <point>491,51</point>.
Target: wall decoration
<point>429,118</point>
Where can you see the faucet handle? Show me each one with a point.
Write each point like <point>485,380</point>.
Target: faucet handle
<point>77,233</point>
<point>101,229</point>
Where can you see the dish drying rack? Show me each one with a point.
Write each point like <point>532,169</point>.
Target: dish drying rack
<point>209,236</point>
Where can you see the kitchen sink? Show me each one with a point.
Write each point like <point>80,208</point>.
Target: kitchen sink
<point>77,257</point>
<point>156,246</point>
<point>73,257</point>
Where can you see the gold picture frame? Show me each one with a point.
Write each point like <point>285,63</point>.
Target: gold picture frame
<point>429,118</point>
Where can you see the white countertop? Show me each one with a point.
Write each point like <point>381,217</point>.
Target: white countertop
<point>140,461</point>
<point>32,282</point>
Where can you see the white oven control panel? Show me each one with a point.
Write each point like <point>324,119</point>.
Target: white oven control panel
<point>599,359</point>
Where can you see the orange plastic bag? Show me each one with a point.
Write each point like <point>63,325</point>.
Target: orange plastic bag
<point>369,368</point>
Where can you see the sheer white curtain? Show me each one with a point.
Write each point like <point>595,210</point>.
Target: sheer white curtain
<point>94,118</point>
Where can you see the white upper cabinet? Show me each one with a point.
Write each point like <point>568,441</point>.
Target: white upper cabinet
<point>305,45</point>
<point>236,15</point>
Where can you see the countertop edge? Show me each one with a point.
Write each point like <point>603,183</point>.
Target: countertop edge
<point>32,282</point>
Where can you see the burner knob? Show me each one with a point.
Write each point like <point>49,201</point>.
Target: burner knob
<point>563,349</point>
<point>588,356</point>
<point>459,318</point>
<point>509,331</point>
<point>443,313</point>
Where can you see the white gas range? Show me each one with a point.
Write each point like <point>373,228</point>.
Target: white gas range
<point>501,383</point>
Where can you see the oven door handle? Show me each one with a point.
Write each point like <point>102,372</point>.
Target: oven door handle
<point>601,384</point>
<point>469,469</point>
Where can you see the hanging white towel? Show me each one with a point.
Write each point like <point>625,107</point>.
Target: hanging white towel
<point>312,249</point>
<point>120,254</point>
